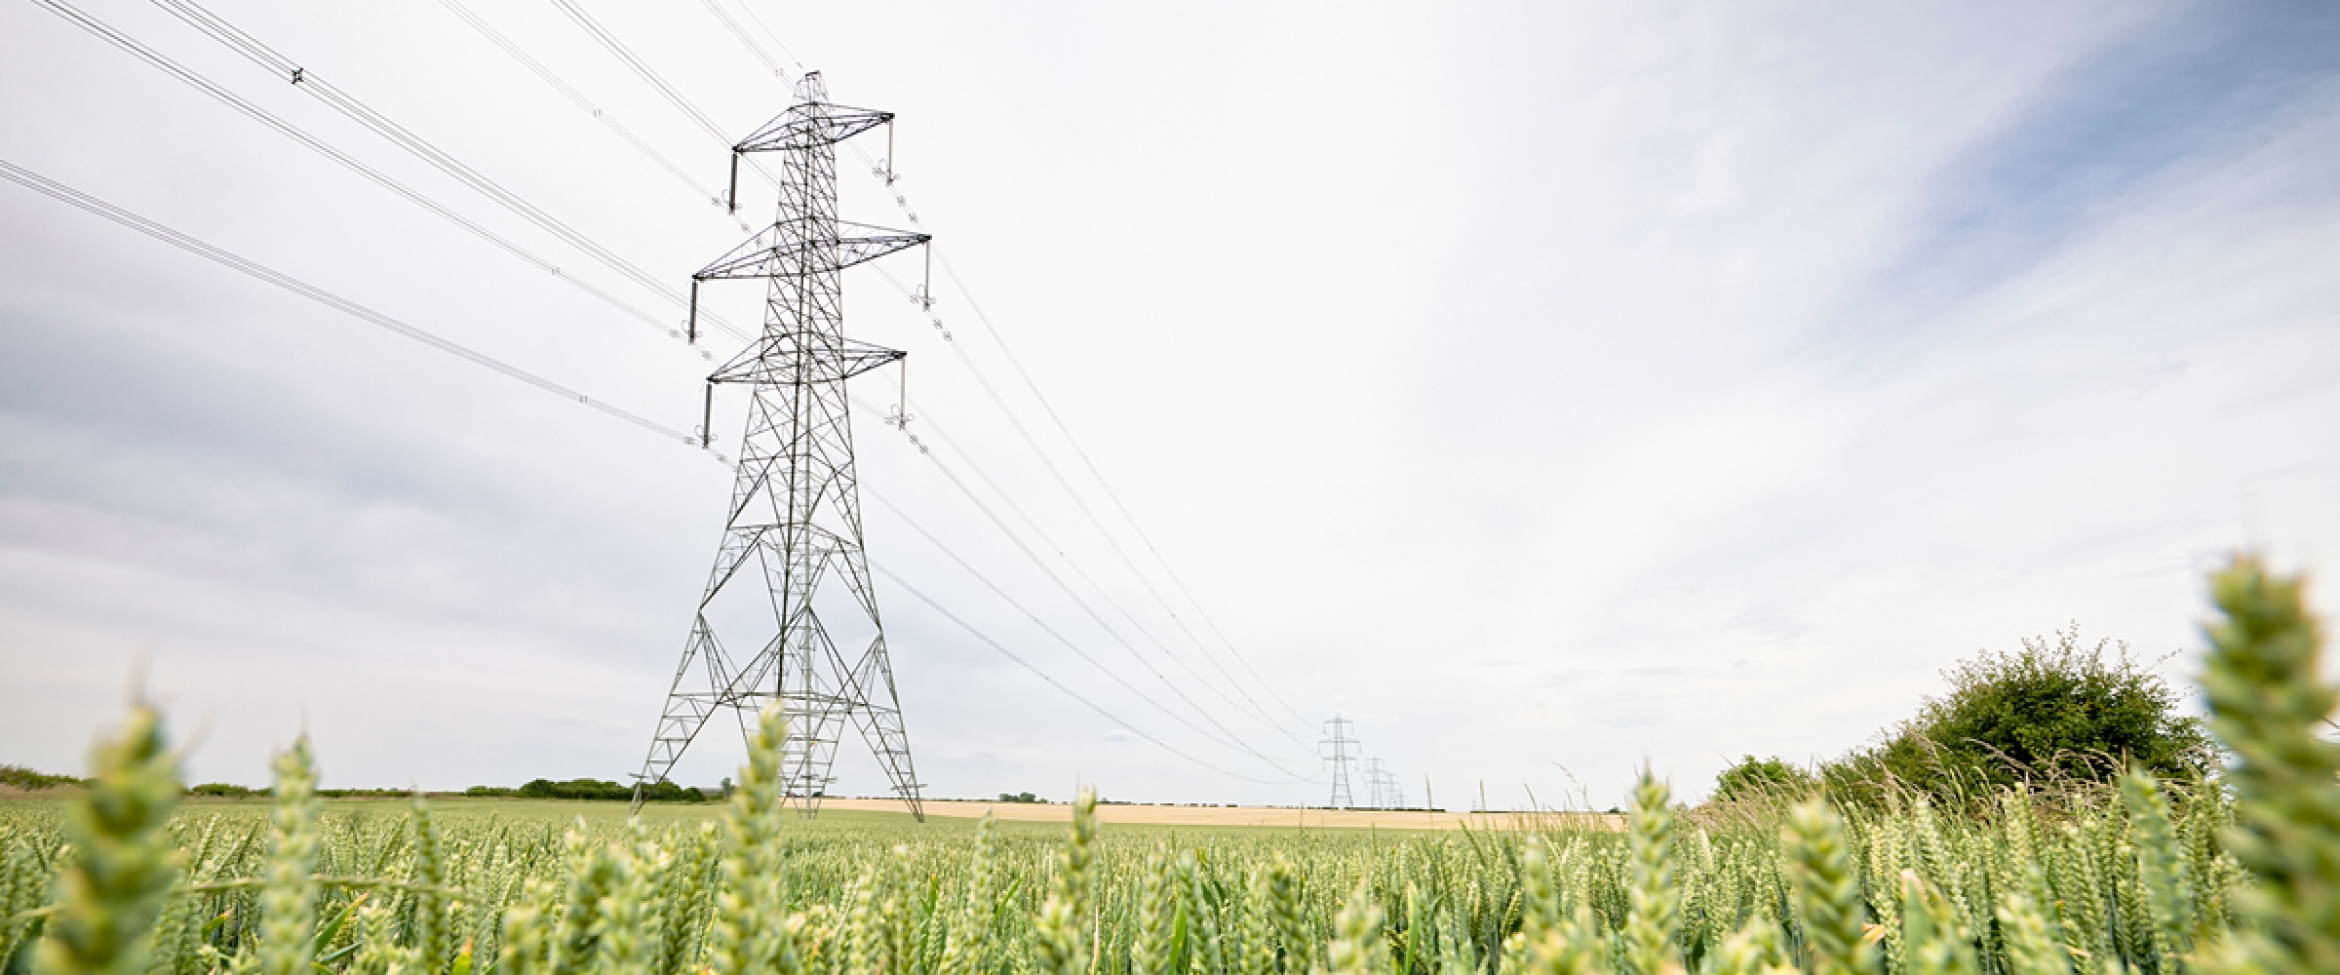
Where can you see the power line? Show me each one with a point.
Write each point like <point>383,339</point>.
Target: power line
<point>999,401</point>
<point>650,76</point>
<point>1069,692</point>
<point>66,194</point>
<point>252,49</point>
<point>573,95</point>
<point>925,299</point>
<point>1009,500</point>
<point>1090,611</point>
<point>745,41</point>
<point>188,77</point>
<point>750,10</point>
<point>642,69</point>
<point>1068,643</point>
<point>985,320</point>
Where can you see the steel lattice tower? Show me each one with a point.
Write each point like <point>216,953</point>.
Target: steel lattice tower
<point>1340,759</point>
<point>793,537</point>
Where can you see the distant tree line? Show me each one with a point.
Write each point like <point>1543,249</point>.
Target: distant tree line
<point>19,777</point>
<point>592,789</point>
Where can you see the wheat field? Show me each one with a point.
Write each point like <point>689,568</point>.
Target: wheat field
<point>2238,874</point>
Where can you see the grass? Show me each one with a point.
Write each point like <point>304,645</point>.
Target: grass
<point>2237,875</point>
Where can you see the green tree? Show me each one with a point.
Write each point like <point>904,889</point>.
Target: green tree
<point>2055,711</point>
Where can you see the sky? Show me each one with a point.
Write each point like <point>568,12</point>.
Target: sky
<point>1552,390</point>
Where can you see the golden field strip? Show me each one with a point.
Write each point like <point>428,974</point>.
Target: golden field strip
<point>1139,814</point>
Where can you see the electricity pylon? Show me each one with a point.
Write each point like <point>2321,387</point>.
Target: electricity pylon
<point>1340,759</point>
<point>795,517</point>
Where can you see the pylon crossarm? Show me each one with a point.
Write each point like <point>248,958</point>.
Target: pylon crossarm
<point>776,251</point>
<point>812,125</point>
<point>770,361</point>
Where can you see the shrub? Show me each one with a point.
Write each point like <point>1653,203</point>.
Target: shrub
<point>223,790</point>
<point>1763,778</point>
<point>2053,712</point>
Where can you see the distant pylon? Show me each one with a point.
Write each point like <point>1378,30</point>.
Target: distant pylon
<point>1381,786</point>
<point>1340,759</point>
<point>795,516</point>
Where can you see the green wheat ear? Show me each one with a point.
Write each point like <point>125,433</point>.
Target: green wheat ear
<point>1754,949</point>
<point>1062,929</point>
<point>1357,947</point>
<point>288,894</point>
<point>2161,864</point>
<point>1827,890</point>
<point>2267,702</point>
<point>1654,911</point>
<point>1938,943</point>
<point>110,893</point>
<point>1288,909</point>
<point>1157,915</point>
<point>746,935</point>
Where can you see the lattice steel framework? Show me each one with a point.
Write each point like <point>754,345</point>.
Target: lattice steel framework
<point>794,533</point>
<point>1339,759</point>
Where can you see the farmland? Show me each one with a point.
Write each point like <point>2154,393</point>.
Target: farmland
<point>2229,874</point>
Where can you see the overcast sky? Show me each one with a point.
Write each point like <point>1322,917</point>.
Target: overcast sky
<point>1549,388</point>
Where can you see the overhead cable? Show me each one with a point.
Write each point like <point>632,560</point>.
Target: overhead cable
<point>716,7</point>
<point>1091,612</point>
<point>1009,500</point>
<point>1052,632</point>
<point>750,9</point>
<point>1069,692</point>
<point>983,380</point>
<point>568,91</point>
<point>188,77</point>
<point>1231,739</point>
<point>66,194</point>
<point>252,49</point>
<point>925,298</point>
<point>641,69</point>
<point>1098,476</point>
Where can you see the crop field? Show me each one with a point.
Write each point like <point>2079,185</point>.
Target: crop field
<point>2232,874</point>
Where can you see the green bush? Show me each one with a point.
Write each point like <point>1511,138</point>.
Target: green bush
<point>1754,779</point>
<point>2053,713</point>
<point>224,790</point>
